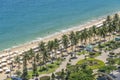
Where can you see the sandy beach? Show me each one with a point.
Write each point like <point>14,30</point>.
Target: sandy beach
<point>33,44</point>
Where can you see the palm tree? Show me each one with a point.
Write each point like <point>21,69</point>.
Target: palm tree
<point>116,18</point>
<point>25,72</point>
<point>94,31</point>
<point>90,34</point>
<point>53,76</point>
<point>109,19</point>
<point>34,66</point>
<point>65,41</point>
<point>30,55</point>
<point>56,46</point>
<point>74,41</point>
<point>85,35</point>
<point>71,38</point>
<point>81,38</point>
<point>38,58</point>
<point>78,37</point>
<point>17,60</point>
<point>50,46</point>
<point>102,33</point>
<point>118,28</point>
<point>43,51</point>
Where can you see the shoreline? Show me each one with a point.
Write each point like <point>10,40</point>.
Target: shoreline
<point>34,43</point>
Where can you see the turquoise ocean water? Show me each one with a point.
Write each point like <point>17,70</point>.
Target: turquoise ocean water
<point>26,20</point>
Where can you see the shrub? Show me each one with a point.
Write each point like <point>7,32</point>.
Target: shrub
<point>43,69</point>
<point>50,66</point>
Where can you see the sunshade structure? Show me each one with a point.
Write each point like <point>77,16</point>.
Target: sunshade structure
<point>1,70</point>
<point>5,68</point>
<point>89,48</point>
<point>58,52</point>
<point>3,64</point>
<point>117,39</point>
<point>0,66</point>
<point>9,62</point>
<point>3,60</point>
<point>7,71</point>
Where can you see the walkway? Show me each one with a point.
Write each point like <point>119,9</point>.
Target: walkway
<point>102,57</point>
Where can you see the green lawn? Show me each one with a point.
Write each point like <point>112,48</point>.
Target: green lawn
<point>50,68</point>
<point>92,63</point>
<point>117,61</point>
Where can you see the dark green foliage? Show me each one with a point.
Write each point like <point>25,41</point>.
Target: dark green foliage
<point>53,76</point>
<point>78,73</point>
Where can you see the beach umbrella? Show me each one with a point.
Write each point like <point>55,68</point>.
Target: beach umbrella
<point>21,62</point>
<point>8,58</point>
<point>12,59</point>
<point>10,53</point>
<point>58,52</point>
<point>20,53</point>
<point>7,71</point>
<point>21,58</point>
<point>5,68</point>
<point>13,55</point>
<point>0,66</point>
<point>1,70</point>
<point>16,52</point>
<point>4,60</point>
<point>4,64</point>
<point>36,50</point>
<point>1,56</point>
<point>6,54</point>
<point>9,62</point>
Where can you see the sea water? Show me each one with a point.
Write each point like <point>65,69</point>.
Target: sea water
<point>22,21</point>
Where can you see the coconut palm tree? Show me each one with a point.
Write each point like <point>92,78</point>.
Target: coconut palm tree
<point>34,65</point>
<point>17,60</point>
<point>30,55</point>
<point>56,46</point>
<point>90,34</point>
<point>116,18</point>
<point>85,35</point>
<point>71,38</point>
<point>43,51</point>
<point>50,46</point>
<point>109,19</point>
<point>25,72</point>
<point>65,41</point>
<point>81,38</point>
<point>94,31</point>
<point>75,42</point>
<point>118,28</point>
<point>78,34</point>
<point>102,33</point>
